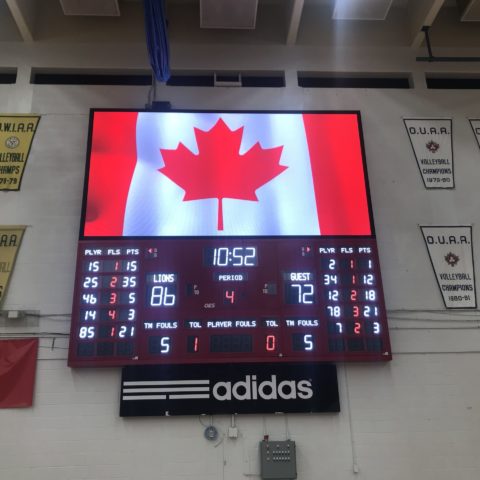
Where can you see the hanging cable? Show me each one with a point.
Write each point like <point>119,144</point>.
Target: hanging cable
<point>157,40</point>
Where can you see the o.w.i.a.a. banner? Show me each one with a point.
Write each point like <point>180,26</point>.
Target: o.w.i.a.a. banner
<point>10,239</point>
<point>431,140</point>
<point>451,253</point>
<point>16,136</point>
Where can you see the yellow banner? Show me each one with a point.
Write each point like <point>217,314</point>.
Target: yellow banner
<point>10,239</point>
<point>16,135</point>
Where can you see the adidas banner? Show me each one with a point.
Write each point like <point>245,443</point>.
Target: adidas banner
<point>165,390</point>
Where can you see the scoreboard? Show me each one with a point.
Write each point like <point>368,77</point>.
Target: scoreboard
<point>211,237</point>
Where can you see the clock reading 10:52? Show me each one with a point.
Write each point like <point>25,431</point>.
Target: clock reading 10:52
<point>230,257</point>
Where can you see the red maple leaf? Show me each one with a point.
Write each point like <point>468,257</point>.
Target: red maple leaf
<point>219,171</point>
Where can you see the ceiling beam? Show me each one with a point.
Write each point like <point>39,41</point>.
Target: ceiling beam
<point>470,10</point>
<point>23,13</point>
<point>294,23</point>
<point>422,13</point>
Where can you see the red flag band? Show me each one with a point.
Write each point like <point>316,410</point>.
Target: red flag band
<point>18,360</point>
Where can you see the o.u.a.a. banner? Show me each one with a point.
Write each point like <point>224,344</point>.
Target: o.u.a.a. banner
<point>431,140</point>
<point>475,124</point>
<point>10,239</point>
<point>451,253</point>
<point>16,136</point>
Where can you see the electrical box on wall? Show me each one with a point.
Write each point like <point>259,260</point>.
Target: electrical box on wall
<point>278,460</point>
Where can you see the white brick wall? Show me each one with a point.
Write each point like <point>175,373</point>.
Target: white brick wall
<point>417,417</point>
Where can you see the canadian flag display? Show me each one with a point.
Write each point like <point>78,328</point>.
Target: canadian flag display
<point>230,174</point>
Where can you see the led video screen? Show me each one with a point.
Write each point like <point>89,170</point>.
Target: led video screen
<point>232,174</point>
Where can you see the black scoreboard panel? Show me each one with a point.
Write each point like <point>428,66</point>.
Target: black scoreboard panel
<point>216,300</point>
<point>212,237</point>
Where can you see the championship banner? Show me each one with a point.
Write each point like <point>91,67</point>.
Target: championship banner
<point>16,136</point>
<point>10,239</point>
<point>451,253</point>
<point>431,140</point>
<point>475,123</point>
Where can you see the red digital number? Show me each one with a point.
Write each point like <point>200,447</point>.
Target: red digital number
<point>270,343</point>
<point>113,298</point>
<point>230,296</point>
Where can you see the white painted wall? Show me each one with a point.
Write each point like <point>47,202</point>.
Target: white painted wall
<point>415,418</point>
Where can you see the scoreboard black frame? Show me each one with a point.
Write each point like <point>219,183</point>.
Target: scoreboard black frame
<point>193,298</point>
